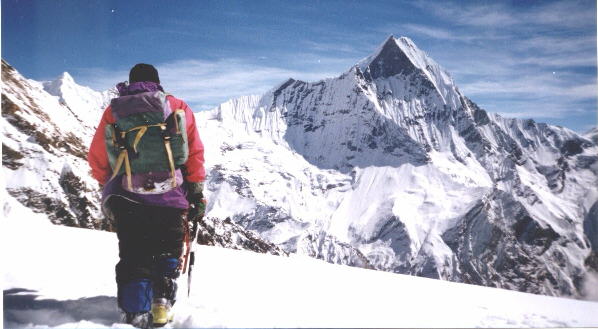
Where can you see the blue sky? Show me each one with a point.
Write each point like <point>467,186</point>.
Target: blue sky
<point>527,59</point>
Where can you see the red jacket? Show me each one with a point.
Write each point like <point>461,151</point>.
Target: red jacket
<point>98,158</point>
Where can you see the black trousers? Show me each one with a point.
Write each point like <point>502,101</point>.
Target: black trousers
<point>150,241</point>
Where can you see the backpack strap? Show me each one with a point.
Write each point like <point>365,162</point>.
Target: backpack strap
<point>123,157</point>
<point>142,130</point>
<point>166,138</point>
<point>118,138</point>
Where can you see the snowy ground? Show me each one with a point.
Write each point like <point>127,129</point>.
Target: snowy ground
<point>63,277</point>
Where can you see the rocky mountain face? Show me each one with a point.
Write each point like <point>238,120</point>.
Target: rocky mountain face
<point>44,150</point>
<point>388,166</point>
<point>46,130</point>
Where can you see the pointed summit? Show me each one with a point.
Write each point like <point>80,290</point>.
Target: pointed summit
<point>389,60</point>
<point>402,57</point>
<point>58,86</point>
<point>75,96</point>
<point>396,56</point>
<point>65,76</point>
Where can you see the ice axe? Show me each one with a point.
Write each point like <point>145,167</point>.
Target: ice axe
<point>195,215</point>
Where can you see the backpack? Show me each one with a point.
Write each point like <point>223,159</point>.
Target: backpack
<point>148,143</point>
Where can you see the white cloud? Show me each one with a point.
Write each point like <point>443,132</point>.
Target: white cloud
<point>467,14</point>
<point>205,84</point>
<point>345,47</point>
<point>534,95</point>
<point>561,61</point>
<point>213,82</point>
<point>436,33</point>
<point>541,108</point>
<point>582,91</point>
<point>564,13</point>
<point>552,44</point>
<point>429,31</point>
<point>537,86</point>
<point>98,78</point>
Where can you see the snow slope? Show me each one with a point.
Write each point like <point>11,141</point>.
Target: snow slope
<point>389,166</point>
<point>44,147</point>
<point>64,278</point>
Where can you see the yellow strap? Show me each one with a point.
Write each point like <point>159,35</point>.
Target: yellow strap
<point>170,160</point>
<point>124,154</point>
<point>142,131</point>
<point>124,157</point>
<point>128,170</point>
<point>146,126</point>
<point>119,162</point>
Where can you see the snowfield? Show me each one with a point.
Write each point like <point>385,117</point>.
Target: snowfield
<point>64,277</point>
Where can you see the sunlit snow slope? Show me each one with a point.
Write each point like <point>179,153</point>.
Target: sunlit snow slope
<point>64,277</point>
<point>46,131</point>
<point>390,166</point>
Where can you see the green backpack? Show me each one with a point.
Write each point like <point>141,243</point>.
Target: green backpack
<point>148,143</point>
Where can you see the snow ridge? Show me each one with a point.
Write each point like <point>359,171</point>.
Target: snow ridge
<point>388,166</point>
<point>82,102</point>
<point>404,166</point>
<point>393,49</point>
<point>44,152</point>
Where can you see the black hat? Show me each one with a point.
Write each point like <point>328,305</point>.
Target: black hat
<point>143,72</point>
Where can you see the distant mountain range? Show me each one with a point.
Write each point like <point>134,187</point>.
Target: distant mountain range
<point>387,166</point>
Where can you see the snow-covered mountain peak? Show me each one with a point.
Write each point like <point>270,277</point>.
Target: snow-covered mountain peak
<point>389,59</point>
<point>408,174</point>
<point>398,55</point>
<point>400,59</point>
<point>86,103</point>
<point>66,78</point>
<point>63,82</point>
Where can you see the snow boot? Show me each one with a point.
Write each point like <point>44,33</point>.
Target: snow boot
<point>140,320</point>
<point>161,312</point>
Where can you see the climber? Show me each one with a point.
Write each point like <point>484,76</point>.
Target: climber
<point>148,158</point>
